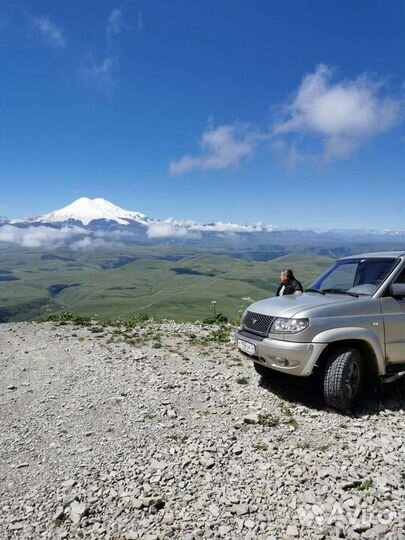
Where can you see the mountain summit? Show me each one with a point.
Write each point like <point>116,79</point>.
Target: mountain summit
<point>87,210</point>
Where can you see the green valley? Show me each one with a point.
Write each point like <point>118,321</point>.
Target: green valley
<point>180,282</point>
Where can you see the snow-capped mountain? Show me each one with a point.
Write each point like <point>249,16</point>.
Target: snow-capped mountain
<point>95,212</point>
<point>87,210</point>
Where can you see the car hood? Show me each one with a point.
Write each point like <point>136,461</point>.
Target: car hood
<point>291,305</point>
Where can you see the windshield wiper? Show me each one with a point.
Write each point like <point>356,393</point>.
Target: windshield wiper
<point>314,290</point>
<point>339,291</point>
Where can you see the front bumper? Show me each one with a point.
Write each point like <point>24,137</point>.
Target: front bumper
<point>286,356</point>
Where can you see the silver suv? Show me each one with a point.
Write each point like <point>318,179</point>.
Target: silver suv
<point>349,326</point>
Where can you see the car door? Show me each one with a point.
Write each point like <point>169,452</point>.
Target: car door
<point>393,311</point>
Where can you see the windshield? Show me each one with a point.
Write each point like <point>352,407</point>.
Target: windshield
<point>355,276</point>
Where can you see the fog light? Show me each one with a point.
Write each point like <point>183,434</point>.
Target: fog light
<point>283,362</point>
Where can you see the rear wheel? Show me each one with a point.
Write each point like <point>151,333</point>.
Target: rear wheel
<point>263,371</point>
<point>343,378</point>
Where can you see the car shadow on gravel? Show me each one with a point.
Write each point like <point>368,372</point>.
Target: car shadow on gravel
<point>304,391</point>
<point>308,391</point>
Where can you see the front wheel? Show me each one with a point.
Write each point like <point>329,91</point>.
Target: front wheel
<point>343,378</point>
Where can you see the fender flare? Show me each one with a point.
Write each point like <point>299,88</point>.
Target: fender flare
<point>354,333</point>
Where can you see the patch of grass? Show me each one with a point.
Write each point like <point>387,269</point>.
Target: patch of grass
<point>156,345</point>
<point>136,320</point>
<point>221,335</point>
<point>131,341</point>
<point>81,338</point>
<point>242,380</point>
<point>286,410</point>
<point>291,421</point>
<point>235,361</point>
<point>107,322</point>
<point>67,316</point>
<point>268,420</point>
<point>324,447</point>
<point>366,485</point>
<point>219,318</point>
<point>303,445</point>
<point>260,446</point>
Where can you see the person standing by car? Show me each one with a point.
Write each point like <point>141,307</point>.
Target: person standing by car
<point>289,284</point>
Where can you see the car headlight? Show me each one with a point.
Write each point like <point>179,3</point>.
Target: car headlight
<point>284,326</point>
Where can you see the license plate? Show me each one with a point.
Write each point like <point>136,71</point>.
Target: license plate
<point>246,347</point>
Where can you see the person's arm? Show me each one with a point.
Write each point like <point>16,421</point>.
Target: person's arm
<point>298,289</point>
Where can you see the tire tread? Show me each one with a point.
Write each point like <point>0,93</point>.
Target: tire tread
<point>334,377</point>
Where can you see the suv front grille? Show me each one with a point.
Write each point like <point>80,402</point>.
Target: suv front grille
<point>257,323</point>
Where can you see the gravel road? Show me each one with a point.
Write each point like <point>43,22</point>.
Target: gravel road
<point>165,431</point>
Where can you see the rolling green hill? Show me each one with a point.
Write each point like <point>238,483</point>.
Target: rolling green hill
<point>175,282</point>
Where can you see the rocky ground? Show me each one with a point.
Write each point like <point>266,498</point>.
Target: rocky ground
<point>165,431</point>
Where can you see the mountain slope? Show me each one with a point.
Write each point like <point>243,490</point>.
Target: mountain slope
<point>86,210</point>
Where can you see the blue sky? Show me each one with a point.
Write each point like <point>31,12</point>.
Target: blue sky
<point>290,113</point>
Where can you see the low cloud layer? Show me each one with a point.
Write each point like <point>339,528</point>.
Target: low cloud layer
<point>74,237</point>
<point>37,237</point>
<point>192,229</point>
<point>222,147</point>
<point>343,115</point>
<point>167,229</point>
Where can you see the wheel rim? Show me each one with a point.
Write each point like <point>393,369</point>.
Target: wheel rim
<point>353,380</point>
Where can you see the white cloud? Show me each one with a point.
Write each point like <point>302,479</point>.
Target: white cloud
<point>38,236</point>
<point>171,228</point>
<point>222,147</point>
<point>76,237</point>
<point>140,21</point>
<point>228,227</point>
<point>166,229</point>
<point>115,24</point>
<point>340,116</point>
<point>92,243</point>
<point>101,74</point>
<point>49,31</point>
<point>343,115</point>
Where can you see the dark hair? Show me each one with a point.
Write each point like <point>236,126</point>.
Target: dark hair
<point>289,273</point>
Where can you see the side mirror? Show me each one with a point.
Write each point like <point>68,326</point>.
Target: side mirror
<point>397,290</point>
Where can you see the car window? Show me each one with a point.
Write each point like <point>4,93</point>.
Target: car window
<point>360,276</point>
<point>343,277</point>
<point>372,271</point>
